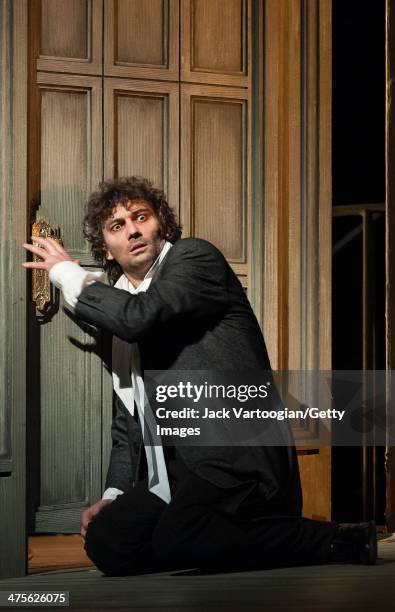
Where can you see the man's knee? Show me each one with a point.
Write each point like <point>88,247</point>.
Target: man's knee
<point>103,547</point>
<point>117,549</point>
<point>98,543</point>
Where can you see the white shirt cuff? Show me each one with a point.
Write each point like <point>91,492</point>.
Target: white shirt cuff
<point>112,493</point>
<point>72,279</point>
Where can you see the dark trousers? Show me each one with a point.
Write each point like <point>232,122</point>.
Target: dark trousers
<point>140,533</point>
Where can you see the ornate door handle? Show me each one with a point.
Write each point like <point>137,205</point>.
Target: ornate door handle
<point>42,292</point>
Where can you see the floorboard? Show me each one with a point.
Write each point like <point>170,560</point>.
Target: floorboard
<point>53,552</point>
<point>326,588</point>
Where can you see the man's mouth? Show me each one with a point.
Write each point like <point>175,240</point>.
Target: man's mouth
<point>135,248</point>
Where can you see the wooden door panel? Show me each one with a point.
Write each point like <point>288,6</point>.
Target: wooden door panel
<point>141,132</point>
<point>65,374</point>
<point>141,39</point>
<point>59,41</point>
<point>215,169</point>
<point>70,153</point>
<point>69,35</point>
<point>71,422</point>
<point>216,42</point>
<point>315,476</point>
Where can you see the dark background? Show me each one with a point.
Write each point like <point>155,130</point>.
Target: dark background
<point>358,145</point>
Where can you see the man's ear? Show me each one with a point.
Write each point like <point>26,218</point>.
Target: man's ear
<point>108,255</point>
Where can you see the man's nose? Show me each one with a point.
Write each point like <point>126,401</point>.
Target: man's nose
<point>133,230</point>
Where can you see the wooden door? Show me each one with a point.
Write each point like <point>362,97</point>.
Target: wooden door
<point>66,378</point>
<point>150,98</point>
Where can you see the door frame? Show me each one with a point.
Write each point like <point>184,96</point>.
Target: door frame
<point>297,208</point>
<point>13,190</point>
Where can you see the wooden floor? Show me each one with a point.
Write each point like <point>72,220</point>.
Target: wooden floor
<point>329,588</point>
<point>54,552</point>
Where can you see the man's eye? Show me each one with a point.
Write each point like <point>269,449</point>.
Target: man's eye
<point>116,227</point>
<point>142,217</point>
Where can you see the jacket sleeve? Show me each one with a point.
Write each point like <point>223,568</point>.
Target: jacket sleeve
<point>125,447</point>
<point>192,284</point>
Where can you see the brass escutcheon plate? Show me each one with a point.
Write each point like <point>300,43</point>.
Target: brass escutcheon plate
<point>41,286</point>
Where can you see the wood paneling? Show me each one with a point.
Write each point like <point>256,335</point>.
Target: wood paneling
<point>218,190</point>
<point>142,39</point>
<point>257,116</point>
<point>298,185</point>
<point>58,40</point>
<point>6,103</point>
<point>273,141</point>
<point>70,35</point>
<point>323,99</point>
<point>13,196</point>
<point>71,153</point>
<point>216,42</point>
<point>141,132</point>
<point>65,418</point>
<point>316,483</point>
<point>297,291</point>
<point>141,32</point>
<point>70,431</point>
<point>215,177</point>
<point>283,154</point>
<point>298,193</point>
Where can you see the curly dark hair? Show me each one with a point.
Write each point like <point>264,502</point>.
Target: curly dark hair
<point>120,191</point>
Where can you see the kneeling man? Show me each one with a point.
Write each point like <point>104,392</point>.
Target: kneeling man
<point>175,304</point>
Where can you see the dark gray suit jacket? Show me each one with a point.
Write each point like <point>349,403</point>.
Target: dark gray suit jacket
<point>195,316</point>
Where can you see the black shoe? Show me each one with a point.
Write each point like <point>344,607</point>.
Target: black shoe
<point>354,543</point>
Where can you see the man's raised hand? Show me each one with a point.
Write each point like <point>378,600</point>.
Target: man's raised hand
<point>50,251</point>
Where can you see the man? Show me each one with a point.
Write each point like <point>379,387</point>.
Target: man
<point>177,305</point>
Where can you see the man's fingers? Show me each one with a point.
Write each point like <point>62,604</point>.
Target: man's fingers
<point>36,250</point>
<point>51,245</point>
<point>54,247</point>
<point>48,250</point>
<point>48,240</point>
<point>35,265</point>
<point>90,513</point>
<point>85,518</point>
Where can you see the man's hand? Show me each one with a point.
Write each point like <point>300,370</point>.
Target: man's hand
<point>50,251</point>
<point>89,513</point>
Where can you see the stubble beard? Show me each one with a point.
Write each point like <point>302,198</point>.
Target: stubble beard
<point>140,267</point>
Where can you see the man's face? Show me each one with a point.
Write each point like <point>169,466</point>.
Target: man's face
<point>132,237</point>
